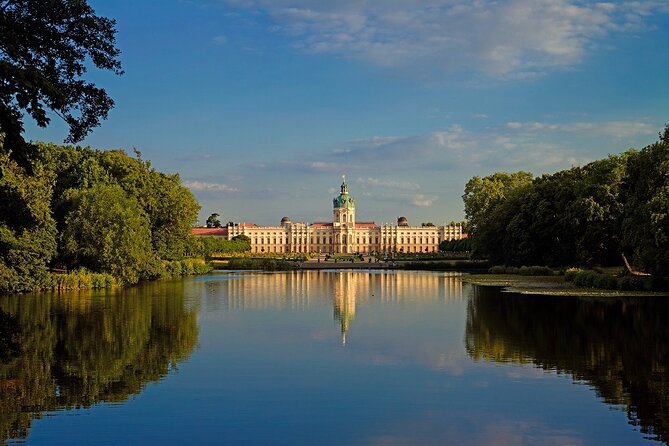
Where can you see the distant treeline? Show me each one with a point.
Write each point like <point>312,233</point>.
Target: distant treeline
<point>209,246</point>
<point>584,216</point>
<point>103,211</point>
<point>463,245</point>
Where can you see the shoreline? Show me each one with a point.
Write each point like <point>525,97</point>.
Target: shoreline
<point>549,286</point>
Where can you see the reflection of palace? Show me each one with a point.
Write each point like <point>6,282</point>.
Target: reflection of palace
<point>342,235</point>
<point>344,288</point>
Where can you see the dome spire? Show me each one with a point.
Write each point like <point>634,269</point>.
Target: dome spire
<point>344,200</point>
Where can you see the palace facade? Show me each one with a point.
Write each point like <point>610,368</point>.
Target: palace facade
<point>343,235</point>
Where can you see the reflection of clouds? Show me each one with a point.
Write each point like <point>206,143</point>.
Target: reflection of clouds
<point>528,372</point>
<point>445,428</point>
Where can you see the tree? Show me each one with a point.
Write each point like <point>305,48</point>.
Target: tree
<point>483,194</point>
<point>27,228</point>
<point>482,197</point>
<point>45,47</point>
<point>108,231</point>
<point>214,221</point>
<point>646,207</point>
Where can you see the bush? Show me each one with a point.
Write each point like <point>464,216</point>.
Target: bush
<point>594,279</point>
<point>570,273</point>
<point>187,267</point>
<point>605,282</point>
<point>523,270</point>
<point>585,278</point>
<point>501,269</point>
<point>535,271</point>
<point>81,280</point>
<point>631,283</point>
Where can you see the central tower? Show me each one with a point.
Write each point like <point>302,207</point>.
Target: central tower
<point>343,220</point>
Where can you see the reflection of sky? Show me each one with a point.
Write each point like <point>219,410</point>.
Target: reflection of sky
<point>270,369</point>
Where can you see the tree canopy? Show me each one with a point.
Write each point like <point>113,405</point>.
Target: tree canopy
<point>103,210</point>
<point>582,216</point>
<point>45,50</point>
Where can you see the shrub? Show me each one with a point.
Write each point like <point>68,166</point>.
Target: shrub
<point>630,283</point>
<point>570,273</point>
<point>535,271</point>
<point>585,278</point>
<point>605,282</point>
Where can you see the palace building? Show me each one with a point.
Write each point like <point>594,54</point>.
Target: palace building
<point>343,235</point>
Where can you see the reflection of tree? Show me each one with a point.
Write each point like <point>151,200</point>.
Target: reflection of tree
<point>620,347</point>
<point>9,334</point>
<point>75,355</point>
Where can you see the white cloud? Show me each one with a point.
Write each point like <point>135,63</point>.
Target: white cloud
<point>220,40</point>
<point>387,184</point>
<point>423,201</point>
<point>615,129</point>
<point>204,186</point>
<point>304,166</point>
<point>512,38</point>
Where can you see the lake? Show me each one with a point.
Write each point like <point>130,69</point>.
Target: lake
<point>332,357</point>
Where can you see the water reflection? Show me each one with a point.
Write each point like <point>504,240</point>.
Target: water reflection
<point>77,350</point>
<point>620,347</point>
<point>300,290</point>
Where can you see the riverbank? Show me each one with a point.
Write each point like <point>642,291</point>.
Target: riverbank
<point>549,286</point>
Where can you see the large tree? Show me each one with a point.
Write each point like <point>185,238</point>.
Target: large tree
<point>46,47</point>
<point>108,231</point>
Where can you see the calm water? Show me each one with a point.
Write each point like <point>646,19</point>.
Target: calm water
<point>332,358</point>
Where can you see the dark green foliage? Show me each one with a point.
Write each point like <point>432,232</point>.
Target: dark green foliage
<point>594,279</point>
<point>108,212</point>
<point>187,267</point>
<point>522,271</point>
<point>645,193</point>
<point>47,47</point>
<point>447,265</point>
<point>27,229</point>
<point>108,231</point>
<point>463,245</point>
<point>209,246</point>
<point>630,283</point>
<point>581,216</point>
<point>570,274</point>
<point>484,195</point>
<point>214,221</point>
<point>170,207</point>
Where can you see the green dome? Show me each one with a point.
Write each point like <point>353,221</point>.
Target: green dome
<point>344,200</point>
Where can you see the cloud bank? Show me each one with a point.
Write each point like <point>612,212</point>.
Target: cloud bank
<point>512,38</point>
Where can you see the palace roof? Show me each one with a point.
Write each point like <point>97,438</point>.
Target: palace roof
<point>209,231</point>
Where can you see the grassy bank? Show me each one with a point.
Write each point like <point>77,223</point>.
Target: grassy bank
<point>82,279</point>
<point>554,285</point>
<point>264,264</point>
<point>446,265</point>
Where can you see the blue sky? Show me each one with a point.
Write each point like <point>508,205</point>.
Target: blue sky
<point>262,105</point>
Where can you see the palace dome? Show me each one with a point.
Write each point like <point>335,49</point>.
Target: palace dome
<point>344,200</point>
<point>402,221</point>
<point>285,221</point>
